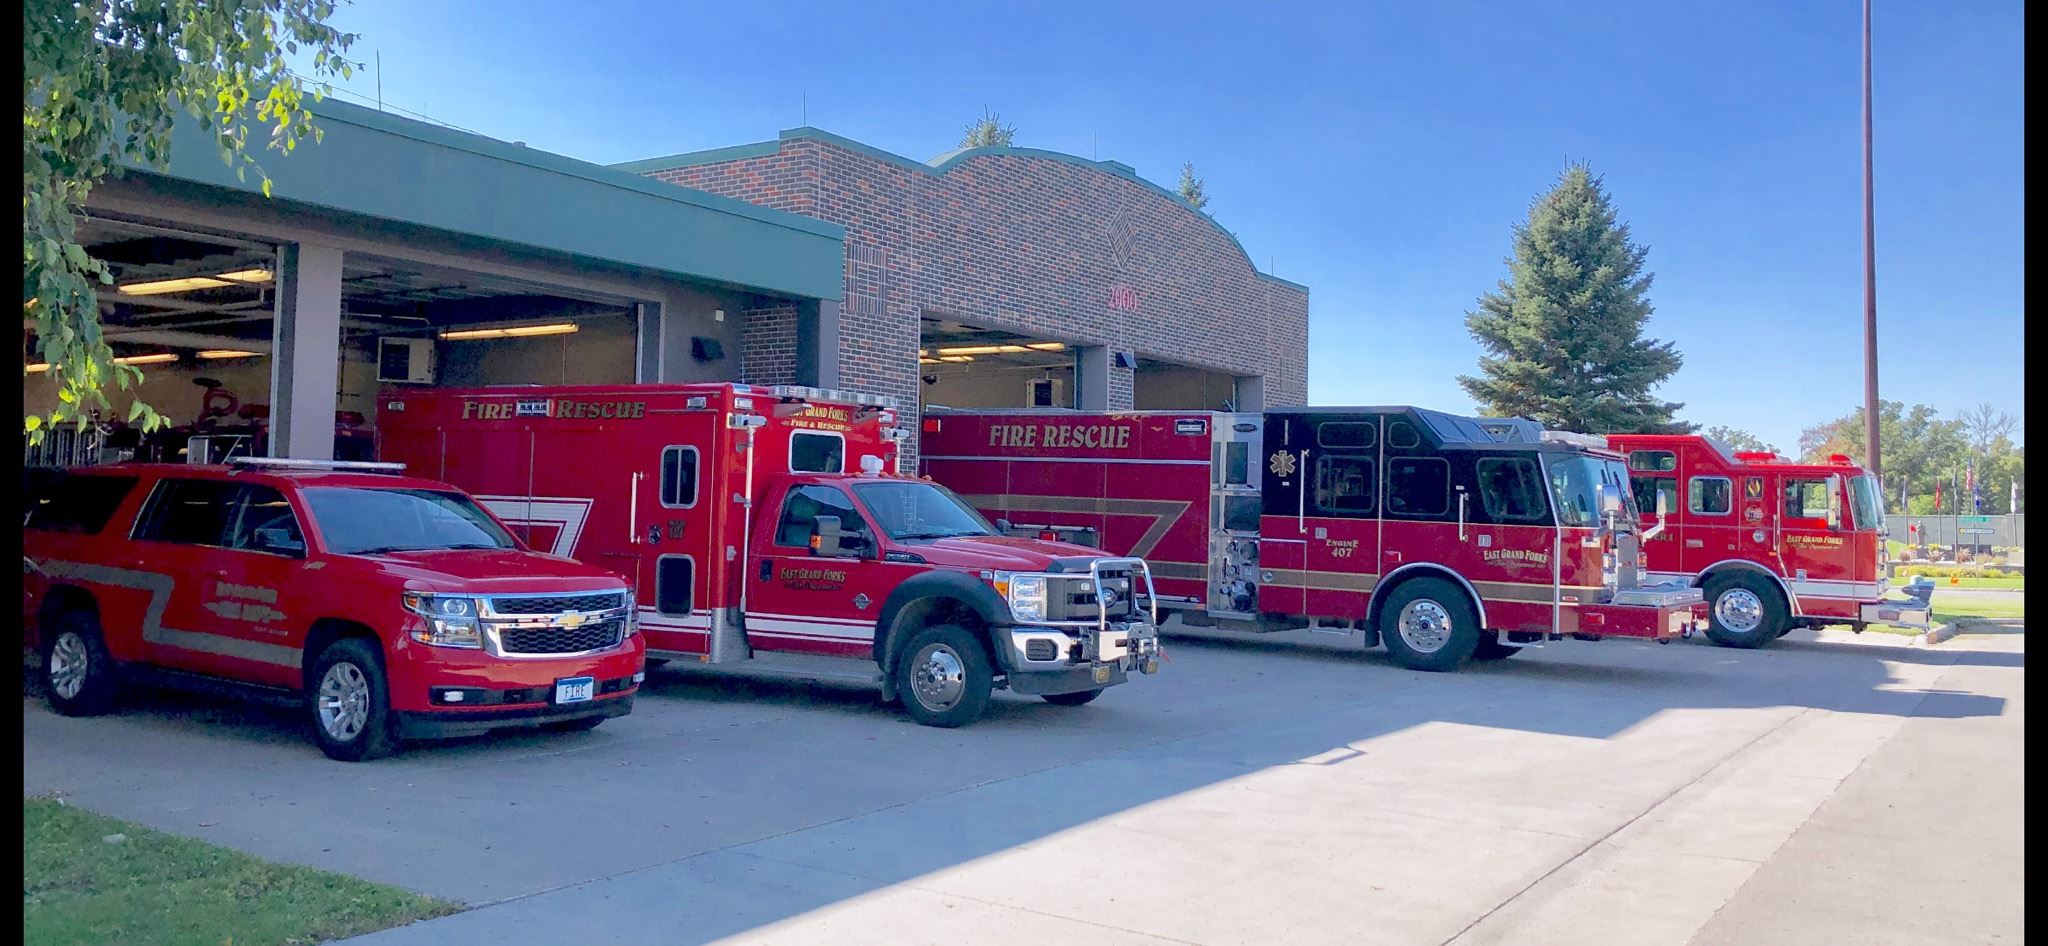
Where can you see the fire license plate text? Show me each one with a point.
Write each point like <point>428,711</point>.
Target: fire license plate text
<point>575,689</point>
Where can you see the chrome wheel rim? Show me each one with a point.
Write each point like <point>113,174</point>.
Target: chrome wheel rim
<point>68,659</point>
<point>1739,610</point>
<point>938,677</point>
<point>344,702</point>
<point>1425,626</point>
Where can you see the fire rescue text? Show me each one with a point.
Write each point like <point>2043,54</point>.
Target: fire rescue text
<point>1100,436</point>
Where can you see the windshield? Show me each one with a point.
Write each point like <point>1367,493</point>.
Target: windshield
<point>359,521</point>
<point>1866,503</point>
<point>1575,482</point>
<point>920,510</point>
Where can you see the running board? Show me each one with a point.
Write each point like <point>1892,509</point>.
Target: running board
<point>809,667</point>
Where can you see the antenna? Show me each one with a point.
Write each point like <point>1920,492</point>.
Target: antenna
<point>804,103</point>
<point>380,79</point>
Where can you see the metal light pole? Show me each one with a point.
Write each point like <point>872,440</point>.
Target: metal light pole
<point>1869,274</point>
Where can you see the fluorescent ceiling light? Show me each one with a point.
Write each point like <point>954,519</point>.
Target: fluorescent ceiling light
<point>955,358</point>
<point>219,353</point>
<point>517,331</point>
<point>921,361</point>
<point>155,359</point>
<point>39,367</point>
<point>156,287</point>
<point>1002,349</point>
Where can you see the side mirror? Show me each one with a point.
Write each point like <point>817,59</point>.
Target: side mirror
<point>1003,527</point>
<point>829,540</point>
<point>1663,504</point>
<point>1610,500</point>
<point>277,542</point>
<point>1834,502</point>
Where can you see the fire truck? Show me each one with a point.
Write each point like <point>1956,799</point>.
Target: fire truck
<point>1409,527</point>
<point>769,526</point>
<point>1774,544</point>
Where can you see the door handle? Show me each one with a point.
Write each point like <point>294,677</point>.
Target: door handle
<point>767,569</point>
<point>1695,543</point>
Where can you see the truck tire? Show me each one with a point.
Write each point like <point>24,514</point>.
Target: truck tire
<point>349,702</point>
<point>1081,698</point>
<point>943,676</point>
<point>1429,624</point>
<point>1744,610</point>
<point>78,674</point>
<point>1491,648</point>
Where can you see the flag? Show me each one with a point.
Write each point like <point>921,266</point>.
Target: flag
<point>1937,495</point>
<point>1970,485</point>
<point>2012,502</point>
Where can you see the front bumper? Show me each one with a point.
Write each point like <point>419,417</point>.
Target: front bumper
<point>1652,612</point>
<point>419,671</point>
<point>1916,610</point>
<point>1046,661</point>
<point>443,724</point>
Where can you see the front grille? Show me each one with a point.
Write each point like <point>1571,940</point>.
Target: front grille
<point>1076,600</point>
<point>556,604</point>
<point>561,640</point>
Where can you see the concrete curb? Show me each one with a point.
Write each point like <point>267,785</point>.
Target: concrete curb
<point>1939,634</point>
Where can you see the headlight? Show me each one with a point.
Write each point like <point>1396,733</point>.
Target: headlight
<point>451,621</point>
<point>632,615</point>
<point>1027,597</point>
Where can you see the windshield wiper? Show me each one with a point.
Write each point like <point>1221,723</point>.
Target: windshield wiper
<point>937,535</point>
<point>381,549</point>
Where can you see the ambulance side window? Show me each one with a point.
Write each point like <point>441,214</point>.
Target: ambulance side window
<point>679,477</point>
<point>1402,434</point>
<point>1653,461</point>
<point>1347,434</point>
<point>675,578</point>
<point>816,452</point>
<point>805,504</point>
<point>1710,496</point>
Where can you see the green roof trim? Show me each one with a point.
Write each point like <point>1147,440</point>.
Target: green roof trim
<point>934,167</point>
<point>380,165</point>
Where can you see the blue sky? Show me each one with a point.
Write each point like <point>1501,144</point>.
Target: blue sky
<point>1378,152</point>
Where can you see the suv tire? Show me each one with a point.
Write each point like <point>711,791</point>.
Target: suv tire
<point>79,676</point>
<point>1744,610</point>
<point>1442,628</point>
<point>349,702</point>
<point>943,676</point>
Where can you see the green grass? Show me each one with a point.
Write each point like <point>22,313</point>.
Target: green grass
<point>1952,611</point>
<point>2014,583</point>
<point>158,888</point>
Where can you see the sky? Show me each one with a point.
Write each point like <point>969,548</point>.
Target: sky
<point>1379,152</point>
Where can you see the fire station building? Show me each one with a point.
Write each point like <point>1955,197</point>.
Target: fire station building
<point>397,252</point>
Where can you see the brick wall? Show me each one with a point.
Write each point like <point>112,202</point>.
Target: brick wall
<point>768,345</point>
<point>1068,250</point>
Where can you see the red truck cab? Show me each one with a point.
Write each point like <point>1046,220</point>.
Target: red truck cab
<point>766,526</point>
<point>1412,528</point>
<point>386,607</point>
<point>1774,544</point>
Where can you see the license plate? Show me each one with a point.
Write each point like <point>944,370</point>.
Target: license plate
<point>575,689</point>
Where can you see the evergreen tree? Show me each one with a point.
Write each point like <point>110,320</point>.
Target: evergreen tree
<point>1191,187</point>
<point>987,132</point>
<point>1563,335</point>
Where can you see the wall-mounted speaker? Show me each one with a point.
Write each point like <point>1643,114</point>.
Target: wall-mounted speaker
<point>706,349</point>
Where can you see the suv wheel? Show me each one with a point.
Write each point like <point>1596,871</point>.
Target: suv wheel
<point>1429,624</point>
<point>943,676</point>
<point>350,702</point>
<point>78,674</point>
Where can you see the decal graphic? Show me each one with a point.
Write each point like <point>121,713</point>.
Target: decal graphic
<point>1516,557</point>
<point>811,579</point>
<point>1282,464</point>
<point>1753,487</point>
<point>554,523</point>
<point>1095,436</point>
<point>1754,514</point>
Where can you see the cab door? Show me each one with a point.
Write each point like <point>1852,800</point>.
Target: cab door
<point>669,553</point>
<point>1654,473</point>
<point>1283,523</point>
<point>801,601</point>
<point>177,542</point>
<point>260,604</point>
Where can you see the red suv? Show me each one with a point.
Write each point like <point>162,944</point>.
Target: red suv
<point>387,607</point>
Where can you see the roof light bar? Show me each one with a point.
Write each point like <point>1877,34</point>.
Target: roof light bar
<point>803,393</point>
<point>285,463</point>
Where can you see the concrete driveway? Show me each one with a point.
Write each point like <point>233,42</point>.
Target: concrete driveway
<point>1281,789</point>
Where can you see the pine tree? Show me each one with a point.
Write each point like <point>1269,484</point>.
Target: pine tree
<point>1563,336</point>
<point>988,132</point>
<point>1191,187</point>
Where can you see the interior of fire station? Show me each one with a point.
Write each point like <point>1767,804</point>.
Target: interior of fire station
<point>388,257</point>
<point>963,365</point>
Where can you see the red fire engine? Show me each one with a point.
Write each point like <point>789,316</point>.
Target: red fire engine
<point>1413,527</point>
<point>1774,544</point>
<point>738,513</point>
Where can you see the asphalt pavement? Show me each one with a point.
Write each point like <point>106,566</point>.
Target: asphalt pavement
<point>1288,788</point>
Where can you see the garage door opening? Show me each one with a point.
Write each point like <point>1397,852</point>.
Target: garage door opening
<point>1165,386</point>
<point>970,367</point>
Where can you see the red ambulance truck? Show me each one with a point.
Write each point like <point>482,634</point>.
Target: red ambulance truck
<point>1410,527</point>
<point>1774,544</point>
<point>758,524</point>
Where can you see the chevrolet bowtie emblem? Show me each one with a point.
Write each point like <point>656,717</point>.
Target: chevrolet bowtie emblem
<point>572,619</point>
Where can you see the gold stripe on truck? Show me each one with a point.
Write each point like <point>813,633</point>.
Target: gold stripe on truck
<point>1164,512</point>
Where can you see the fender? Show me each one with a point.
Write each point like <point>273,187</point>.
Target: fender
<point>1372,609</point>
<point>971,591</point>
<point>1791,600</point>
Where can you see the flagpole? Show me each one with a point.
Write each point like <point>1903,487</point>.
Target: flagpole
<point>1870,403</point>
